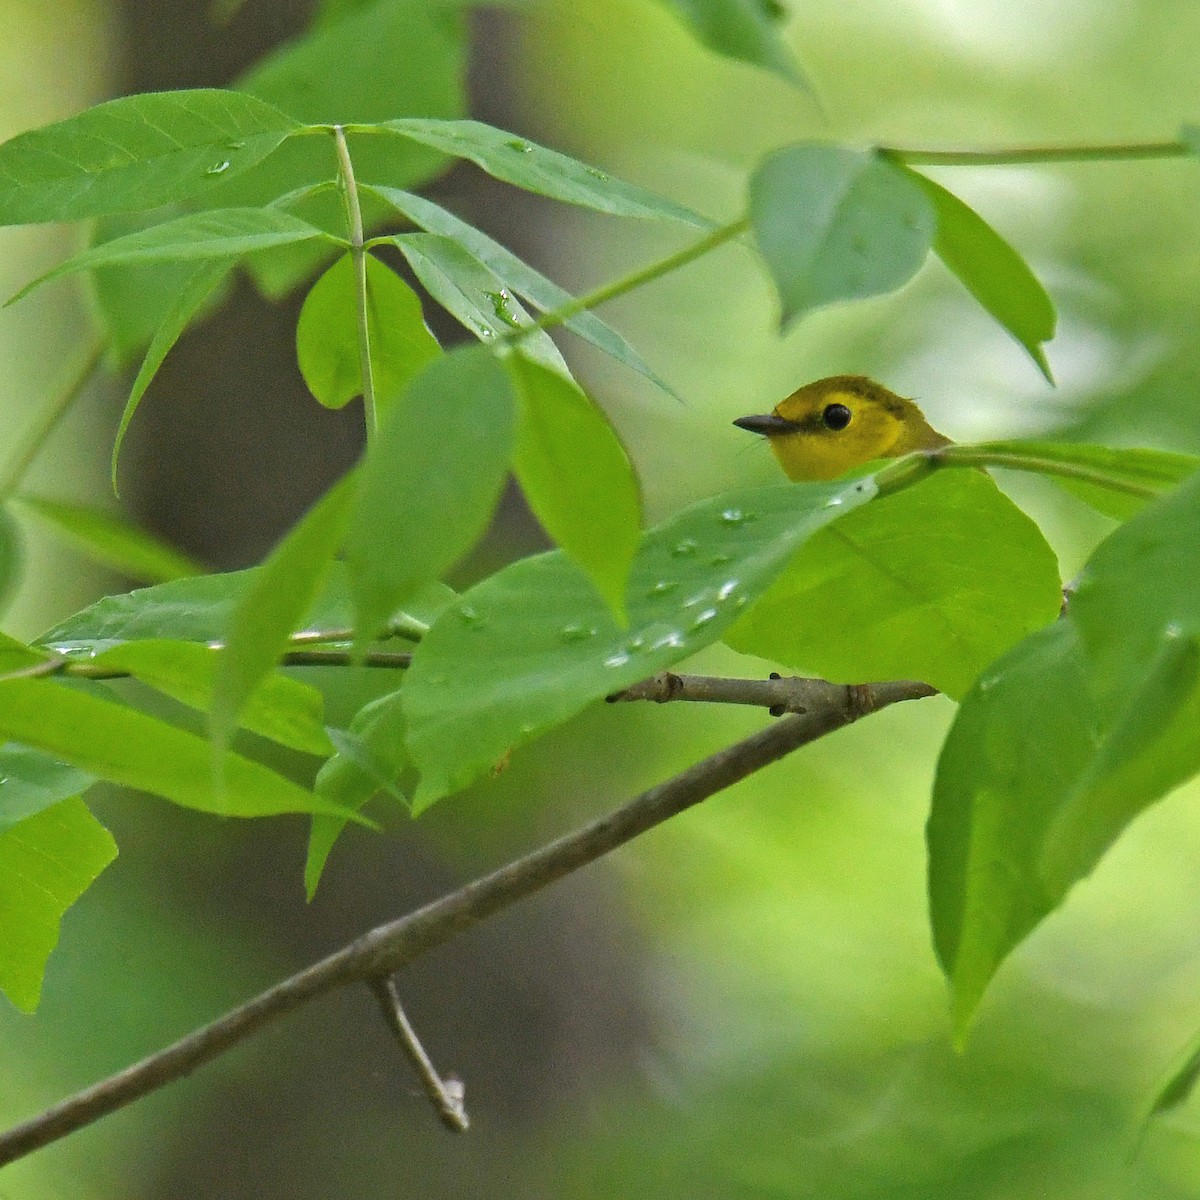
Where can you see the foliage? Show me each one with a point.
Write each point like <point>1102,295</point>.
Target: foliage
<point>1068,727</point>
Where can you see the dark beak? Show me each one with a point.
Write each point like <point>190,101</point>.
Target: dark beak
<point>767,424</point>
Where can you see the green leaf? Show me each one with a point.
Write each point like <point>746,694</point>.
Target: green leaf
<point>369,760</point>
<point>46,863</point>
<point>199,609</point>
<point>516,275</point>
<point>747,30</point>
<point>191,297</point>
<point>1139,587</point>
<point>577,478</point>
<point>114,742</point>
<point>135,153</point>
<point>991,270</point>
<point>109,539</point>
<point>837,224</point>
<point>133,301</point>
<point>528,648</point>
<point>31,781</point>
<point>932,582</point>
<point>1022,738</point>
<point>282,709</point>
<point>280,593</point>
<point>1065,740</point>
<point>472,294</point>
<point>430,483</point>
<point>1134,476</point>
<point>220,233</point>
<point>397,56</point>
<point>17,658</point>
<point>327,334</point>
<point>534,168</point>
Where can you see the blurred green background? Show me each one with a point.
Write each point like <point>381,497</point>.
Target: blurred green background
<point>744,1003</point>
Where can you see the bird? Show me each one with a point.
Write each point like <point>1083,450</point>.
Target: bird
<point>830,426</point>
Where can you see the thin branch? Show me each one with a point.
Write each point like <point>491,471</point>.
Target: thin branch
<point>358,257</point>
<point>1001,156</point>
<point>85,668</point>
<point>389,947</point>
<point>779,694</point>
<point>448,1096</point>
<point>634,280</point>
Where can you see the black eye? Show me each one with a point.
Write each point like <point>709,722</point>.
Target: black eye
<point>836,416</point>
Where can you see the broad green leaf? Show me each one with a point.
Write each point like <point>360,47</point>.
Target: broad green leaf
<point>108,538</point>
<point>46,863</point>
<point>516,275</point>
<point>534,168</point>
<point>123,745</point>
<point>991,270</point>
<point>220,233</point>
<point>327,334</point>
<point>837,224</point>
<point>31,781</point>
<point>1134,476</point>
<point>191,297</point>
<point>1065,740</point>
<point>931,583</point>
<point>385,58</point>
<point>576,476</point>
<point>472,294</point>
<point>135,153</point>
<point>1139,587</point>
<point>268,611</point>
<point>1021,740</point>
<point>199,609</point>
<point>370,759</point>
<point>748,30</point>
<point>528,648</point>
<point>282,709</point>
<point>430,483</point>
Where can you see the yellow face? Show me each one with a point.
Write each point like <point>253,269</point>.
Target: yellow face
<point>831,426</point>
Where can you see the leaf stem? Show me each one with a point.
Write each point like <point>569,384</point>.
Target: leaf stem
<point>358,256</point>
<point>47,420</point>
<point>983,456</point>
<point>627,283</point>
<point>1019,155</point>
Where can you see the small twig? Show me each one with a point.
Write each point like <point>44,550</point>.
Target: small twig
<point>1001,156</point>
<point>446,1095</point>
<point>778,695</point>
<point>636,279</point>
<point>389,947</point>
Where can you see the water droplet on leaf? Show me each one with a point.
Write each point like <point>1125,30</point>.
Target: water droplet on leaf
<point>576,633</point>
<point>684,549</point>
<point>218,168</point>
